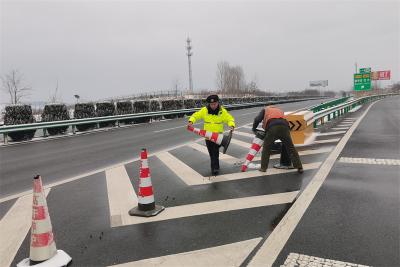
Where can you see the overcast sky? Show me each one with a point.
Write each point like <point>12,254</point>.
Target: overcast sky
<point>99,49</point>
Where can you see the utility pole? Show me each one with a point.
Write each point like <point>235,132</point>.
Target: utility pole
<point>189,54</point>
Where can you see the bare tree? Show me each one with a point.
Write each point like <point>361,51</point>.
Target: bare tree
<point>54,96</point>
<point>12,85</point>
<point>230,79</point>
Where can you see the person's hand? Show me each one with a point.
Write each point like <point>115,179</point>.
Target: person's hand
<point>190,124</point>
<point>231,128</point>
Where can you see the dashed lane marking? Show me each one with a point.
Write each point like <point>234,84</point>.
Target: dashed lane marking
<point>224,157</point>
<point>340,128</point>
<point>240,143</point>
<point>302,153</point>
<point>274,243</point>
<point>370,161</point>
<point>226,255</point>
<point>331,133</point>
<point>327,141</point>
<point>183,171</point>
<point>121,196</point>
<point>14,226</point>
<point>244,134</point>
<point>210,207</point>
<point>295,259</point>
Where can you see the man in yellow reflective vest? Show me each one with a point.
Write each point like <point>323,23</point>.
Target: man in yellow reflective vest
<point>214,116</point>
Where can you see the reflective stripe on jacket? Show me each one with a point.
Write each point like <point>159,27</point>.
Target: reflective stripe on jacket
<point>272,113</point>
<point>213,123</point>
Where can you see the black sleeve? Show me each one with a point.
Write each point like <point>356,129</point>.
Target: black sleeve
<point>258,119</point>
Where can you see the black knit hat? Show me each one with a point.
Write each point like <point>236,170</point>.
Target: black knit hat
<point>212,98</point>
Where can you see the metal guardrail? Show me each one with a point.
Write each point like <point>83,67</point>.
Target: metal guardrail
<point>329,104</point>
<point>340,109</point>
<point>117,118</point>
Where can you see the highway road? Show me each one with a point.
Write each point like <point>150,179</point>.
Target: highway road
<point>68,157</point>
<point>342,208</point>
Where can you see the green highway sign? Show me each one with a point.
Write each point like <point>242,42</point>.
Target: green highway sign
<point>362,81</point>
<point>365,70</point>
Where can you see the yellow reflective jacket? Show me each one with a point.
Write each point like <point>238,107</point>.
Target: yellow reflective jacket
<point>213,123</point>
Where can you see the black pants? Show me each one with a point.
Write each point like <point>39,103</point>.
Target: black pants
<point>281,132</point>
<point>213,151</point>
<point>285,158</point>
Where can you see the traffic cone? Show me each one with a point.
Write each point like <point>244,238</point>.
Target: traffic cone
<point>43,250</point>
<point>220,139</point>
<point>146,206</point>
<point>255,147</point>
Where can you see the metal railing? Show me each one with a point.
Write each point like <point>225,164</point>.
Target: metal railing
<point>5,130</point>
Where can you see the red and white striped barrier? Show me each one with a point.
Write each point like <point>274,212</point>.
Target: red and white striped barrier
<point>43,250</point>
<point>254,149</point>
<point>218,138</point>
<point>146,203</point>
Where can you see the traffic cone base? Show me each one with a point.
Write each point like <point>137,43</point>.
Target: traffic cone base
<point>60,259</point>
<point>226,140</point>
<point>137,211</point>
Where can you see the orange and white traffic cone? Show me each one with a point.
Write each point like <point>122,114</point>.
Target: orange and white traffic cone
<point>146,206</point>
<point>43,250</point>
<point>255,147</point>
<point>220,139</point>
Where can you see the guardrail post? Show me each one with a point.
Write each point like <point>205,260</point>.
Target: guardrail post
<point>44,132</point>
<point>73,129</point>
<point>118,124</point>
<point>5,136</point>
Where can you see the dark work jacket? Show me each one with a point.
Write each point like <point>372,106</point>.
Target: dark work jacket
<point>271,122</point>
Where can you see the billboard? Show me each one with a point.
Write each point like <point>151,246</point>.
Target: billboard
<point>380,75</point>
<point>319,83</point>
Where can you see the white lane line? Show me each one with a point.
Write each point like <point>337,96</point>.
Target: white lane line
<point>244,134</point>
<point>252,174</point>
<point>226,255</point>
<point>301,153</point>
<point>223,157</point>
<point>14,226</point>
<point>344,124</point>
<point>275,242</point>
<point>183,171</point>
<point>340,128</point>
<point>169,129</point>
<point>331,133</point>
<point>327,141</point>
<point>370,161</point>
<point>121,196</point>
<point>240,143</point>
<point>216,206</point>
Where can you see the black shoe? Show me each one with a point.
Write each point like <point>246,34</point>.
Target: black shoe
<point>215,172</point>
<point>300,170</point>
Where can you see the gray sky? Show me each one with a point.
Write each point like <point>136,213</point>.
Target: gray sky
<point>101,49</point>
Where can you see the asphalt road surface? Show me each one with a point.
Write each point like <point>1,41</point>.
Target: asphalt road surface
<point>227,220</point>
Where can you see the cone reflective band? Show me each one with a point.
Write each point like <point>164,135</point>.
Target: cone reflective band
<point>43,250</point>
<point>254,149</point>
<point>146,203</point>
<point>43,246</point>
<point>218,138</point>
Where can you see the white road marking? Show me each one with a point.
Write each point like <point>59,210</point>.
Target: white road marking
<point>345,124</point>
<point>356,108</point>
<point>226,255</point>
<point>301,153</point>
<point>327,141</point>
<point>370,161</point>
<point>169,129</point>
<point>331,133</point>
<point>244,134</point>
<point>252,174</point>
<point>240,143</point>
<point>183,171</point>
<point>14,226</point>
<point>295,259</point>
<point>275,242</point>
<point>121,196</point>
<point>223,157</point>
<point>340,128</point>
<point>210,207</point>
